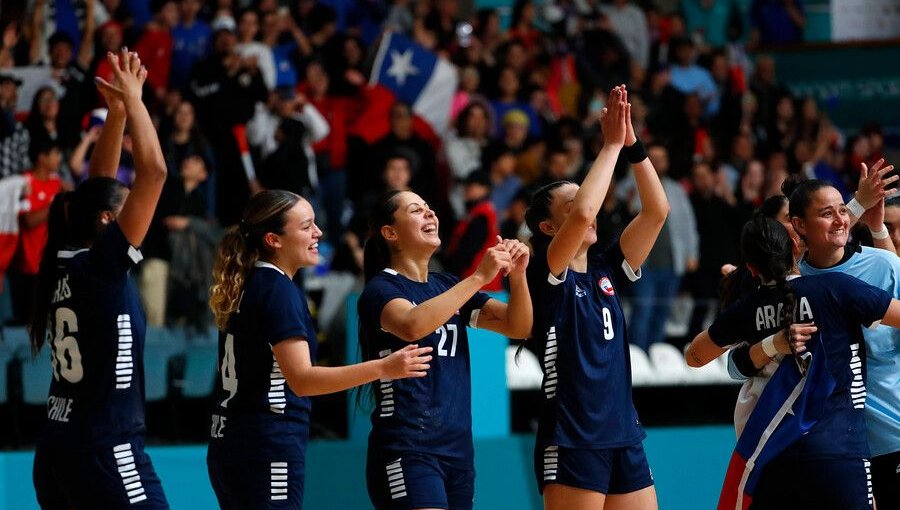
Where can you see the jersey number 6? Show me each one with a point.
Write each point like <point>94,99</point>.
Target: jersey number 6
<point>66,356</point>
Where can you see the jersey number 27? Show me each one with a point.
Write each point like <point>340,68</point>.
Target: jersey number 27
<point>447,330</point>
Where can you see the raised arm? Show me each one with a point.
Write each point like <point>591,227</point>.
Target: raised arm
<point>306,379</point>
<point>514,319</point>
<point>37,32</point>
<point>105,158</point>
<point>412,322</point>
<point>871,189</point>
<point>590,195</point>
<point>639,236</point>
<point>149,164</point>
<point>86,49</point>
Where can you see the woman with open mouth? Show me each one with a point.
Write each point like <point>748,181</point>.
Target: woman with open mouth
<point>589,452</point>
<point>267,355</point>
<point>420,448</point>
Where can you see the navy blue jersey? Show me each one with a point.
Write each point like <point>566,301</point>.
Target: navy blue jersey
<point>96,328</point>
<point>256,415</point>
<point>838,304</point>
<point>580,329</point>
<point>431,414</point>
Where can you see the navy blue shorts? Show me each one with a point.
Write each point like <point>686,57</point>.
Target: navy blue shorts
<point>410,480</point>
<point>609,471</point>
<point>120,476</point>
<point>258,484</point>
<point>821,484</point>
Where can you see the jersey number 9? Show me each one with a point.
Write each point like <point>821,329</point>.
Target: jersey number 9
<point>66,356</point>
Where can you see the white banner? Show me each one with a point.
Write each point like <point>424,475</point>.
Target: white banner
<point>856,20</point>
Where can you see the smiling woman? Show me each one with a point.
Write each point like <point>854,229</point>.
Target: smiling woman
<point>420,448</point>
<point>267,341</point>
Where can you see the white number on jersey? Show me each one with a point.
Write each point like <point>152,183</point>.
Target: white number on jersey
<point>229,376</point>
<point>454,332</point>
<point>608,332</point>
<point>66,357</point>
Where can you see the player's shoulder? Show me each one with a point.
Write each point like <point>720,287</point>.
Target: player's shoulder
<point>269,281</point>
<point>882,257</point>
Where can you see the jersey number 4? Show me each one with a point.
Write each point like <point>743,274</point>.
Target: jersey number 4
<point>229,375</point>
<point>66,356</point>
<point>443,331</point>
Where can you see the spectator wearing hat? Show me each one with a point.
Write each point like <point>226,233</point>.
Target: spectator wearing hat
<point>14,138</point>
<point>476,232</point>
<point>191,39</point>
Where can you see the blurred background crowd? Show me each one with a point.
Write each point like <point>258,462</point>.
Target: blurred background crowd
<point>256,94</point>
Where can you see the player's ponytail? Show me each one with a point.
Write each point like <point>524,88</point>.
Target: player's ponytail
<point>740,282</point>
<point>767,246</point>
<point>57,232</point>
<point>538,211</point>
<point>377,253</point>
<point>243,246</point>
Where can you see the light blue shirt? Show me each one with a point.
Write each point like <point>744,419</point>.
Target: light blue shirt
<point>881,269</point>
<point>694,79</point>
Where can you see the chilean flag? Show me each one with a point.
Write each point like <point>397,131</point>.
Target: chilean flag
<point>417,77</point>
<point>790,405</point>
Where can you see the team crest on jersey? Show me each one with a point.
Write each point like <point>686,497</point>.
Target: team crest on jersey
<point>606,286</point>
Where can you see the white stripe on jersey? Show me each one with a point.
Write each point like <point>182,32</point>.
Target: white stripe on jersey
<point>277,399</point>
<point>131,480</point>
<point>550,376</point>
<point>387,392</point>
<point>858,385</point>
<point>551,463</point>
<point>124,360</point>
<point>278,481</point>
<point>396,483</point>
<point>867,465</point>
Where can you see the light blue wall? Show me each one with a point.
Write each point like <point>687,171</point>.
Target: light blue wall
<point>688,465</point>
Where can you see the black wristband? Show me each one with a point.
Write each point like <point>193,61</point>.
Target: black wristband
<point>743,362</point>
<point>635,153</point>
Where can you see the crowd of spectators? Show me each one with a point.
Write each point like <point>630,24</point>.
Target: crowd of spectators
<point>255,94</point>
